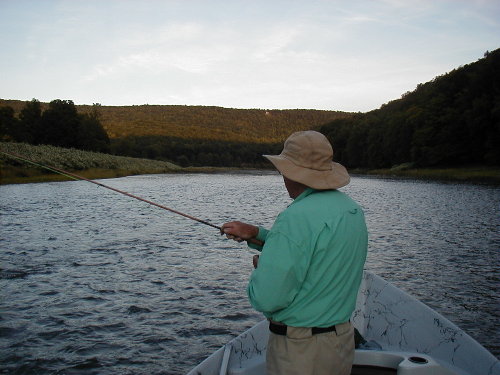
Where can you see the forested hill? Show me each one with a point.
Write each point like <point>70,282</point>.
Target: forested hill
<point>214,123</point>
<point>453,120</point>
<point>202,122</point>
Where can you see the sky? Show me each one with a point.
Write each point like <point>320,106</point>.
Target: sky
<point>349,55</point>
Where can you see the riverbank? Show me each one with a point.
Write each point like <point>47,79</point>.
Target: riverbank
<point>86,164</point>
<point>21,175</point>
<point>94,165</point>
<point>470,174</point>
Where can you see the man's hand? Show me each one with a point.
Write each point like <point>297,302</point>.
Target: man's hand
<point>238,231</point>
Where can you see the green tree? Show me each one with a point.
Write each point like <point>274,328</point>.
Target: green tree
<point>8,124</point>
<point>91,134</point>
<point>60,124</point>
<point>30,122</point>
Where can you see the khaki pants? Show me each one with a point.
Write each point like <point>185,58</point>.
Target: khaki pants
<point>301,353</point>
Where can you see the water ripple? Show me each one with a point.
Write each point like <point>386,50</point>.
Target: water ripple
<point>100,284</point>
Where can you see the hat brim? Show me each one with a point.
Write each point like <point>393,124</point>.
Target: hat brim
<point>333,178</point>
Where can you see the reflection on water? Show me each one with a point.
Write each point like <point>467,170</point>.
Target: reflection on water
<point>95,282</point>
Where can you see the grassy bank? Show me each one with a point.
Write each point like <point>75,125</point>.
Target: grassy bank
<point>87,164</point>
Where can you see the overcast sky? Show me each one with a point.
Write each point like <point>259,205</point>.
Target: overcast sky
<point>351,55</point>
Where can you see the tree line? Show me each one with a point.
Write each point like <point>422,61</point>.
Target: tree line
<point>202,122</point>
<point>196,152</point>
<point>453,120</point>
<point>58,125</point>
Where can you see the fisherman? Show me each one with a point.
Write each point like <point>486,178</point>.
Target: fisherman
<point>310,267</point>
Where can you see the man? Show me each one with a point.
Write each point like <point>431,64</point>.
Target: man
<point>308,274</point>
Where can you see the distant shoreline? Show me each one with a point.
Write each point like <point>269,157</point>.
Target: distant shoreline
<point>94,165</point>
<point>472,175</point>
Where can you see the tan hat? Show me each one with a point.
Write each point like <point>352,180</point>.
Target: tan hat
<point>307,158</point>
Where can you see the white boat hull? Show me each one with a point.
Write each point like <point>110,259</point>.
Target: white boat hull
<point>402,335</point>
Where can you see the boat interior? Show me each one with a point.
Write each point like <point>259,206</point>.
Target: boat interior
<point>370,362</point>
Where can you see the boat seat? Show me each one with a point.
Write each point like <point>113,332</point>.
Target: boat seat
<point>397,363</point>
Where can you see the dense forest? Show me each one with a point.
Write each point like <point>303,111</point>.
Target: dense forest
<point>453,120</point>
<point>201,122</point>
<point>197,152</point>
<point>59,125</point>
<point>185,135</point>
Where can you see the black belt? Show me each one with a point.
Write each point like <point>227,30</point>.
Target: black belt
<point>280,329</point>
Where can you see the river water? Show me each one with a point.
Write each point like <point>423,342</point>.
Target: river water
<point>93,282</point>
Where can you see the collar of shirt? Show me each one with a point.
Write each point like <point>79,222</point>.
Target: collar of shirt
<point>304,194</point>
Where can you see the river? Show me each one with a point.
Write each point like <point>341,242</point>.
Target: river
<point>93,282</point>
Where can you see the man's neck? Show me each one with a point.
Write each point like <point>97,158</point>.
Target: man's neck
<point>294,188</point>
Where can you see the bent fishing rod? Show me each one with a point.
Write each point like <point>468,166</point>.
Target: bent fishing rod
<point>78,177</point>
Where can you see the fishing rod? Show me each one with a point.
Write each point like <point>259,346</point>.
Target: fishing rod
<point>78,177</point>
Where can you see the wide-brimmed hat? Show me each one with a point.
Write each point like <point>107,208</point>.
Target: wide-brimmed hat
<point>307,157</point>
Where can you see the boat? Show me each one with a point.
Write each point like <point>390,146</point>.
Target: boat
<point>395,334</point>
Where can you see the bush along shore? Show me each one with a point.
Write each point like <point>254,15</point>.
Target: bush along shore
<point>98,165</point>
<point>84,163</point>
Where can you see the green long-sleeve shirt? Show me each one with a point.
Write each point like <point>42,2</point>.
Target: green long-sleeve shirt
<point>312,261</point>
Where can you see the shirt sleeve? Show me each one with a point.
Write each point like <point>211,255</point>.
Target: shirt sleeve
<point>277,279</point>
<point>261,236</point>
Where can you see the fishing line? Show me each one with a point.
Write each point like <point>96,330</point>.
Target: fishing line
<point>77,177</point>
